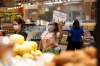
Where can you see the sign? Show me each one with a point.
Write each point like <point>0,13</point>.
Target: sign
<point>59,16</point>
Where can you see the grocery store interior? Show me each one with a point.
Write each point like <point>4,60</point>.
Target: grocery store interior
<point>47,32</point>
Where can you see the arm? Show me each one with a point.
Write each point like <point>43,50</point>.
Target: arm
<point>30,35</point>
<point>82,32</point>
<point>69,32</point>
<point>43,34</point>
<point>58,35</point>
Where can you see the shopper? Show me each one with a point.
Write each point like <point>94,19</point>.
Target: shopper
<point>75,35</point>
<point>49,38</point>
<point>17,25</point>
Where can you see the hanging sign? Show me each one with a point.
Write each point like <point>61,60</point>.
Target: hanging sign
<point>59,16</point>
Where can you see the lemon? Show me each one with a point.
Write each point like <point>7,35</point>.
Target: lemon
<point>17,57</point>
<point>34,45</point>
<point>28,55</point>
<point>16,38</point>
<point>22,49</point>
<point>26,47</point>
<point>36,53</point>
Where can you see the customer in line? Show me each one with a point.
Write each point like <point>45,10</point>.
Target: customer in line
<point>17,25</point>
<point>75,34</point>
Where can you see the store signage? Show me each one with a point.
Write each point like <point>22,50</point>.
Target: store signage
<point>59,16</point>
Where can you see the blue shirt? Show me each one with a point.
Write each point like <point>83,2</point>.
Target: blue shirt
<point>76,34</point>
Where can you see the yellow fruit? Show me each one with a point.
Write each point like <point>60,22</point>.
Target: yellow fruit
<point>34,45</point>
<point>36,53</point>
<point>16,38</point>
<point>17,57</point>
<point>22,49</point>
<point>28,55</point>
<point>17,50</point>
<point>26,47</point>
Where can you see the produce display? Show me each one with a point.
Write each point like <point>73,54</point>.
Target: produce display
<point>24,49</point>
<point>41,61</point>
<point>16,38</point>
<point>26,53</point>
<point>83,57</point>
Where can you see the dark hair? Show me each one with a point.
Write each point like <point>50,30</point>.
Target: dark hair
<point>56,29</point>
<point>20,21</point>
<point>56,26</point>
<point>76,24</point>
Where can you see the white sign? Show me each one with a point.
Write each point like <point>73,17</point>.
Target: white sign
<point>59,16</point>
<point>29,6</point>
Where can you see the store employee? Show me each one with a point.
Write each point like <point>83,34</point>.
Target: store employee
<point>17,25</point>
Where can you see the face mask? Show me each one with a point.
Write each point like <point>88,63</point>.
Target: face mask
<point>50,28</point>
<point>16,27</point>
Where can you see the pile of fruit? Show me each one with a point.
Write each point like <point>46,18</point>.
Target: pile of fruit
<point>84,57</point>
<point>24,49</point>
